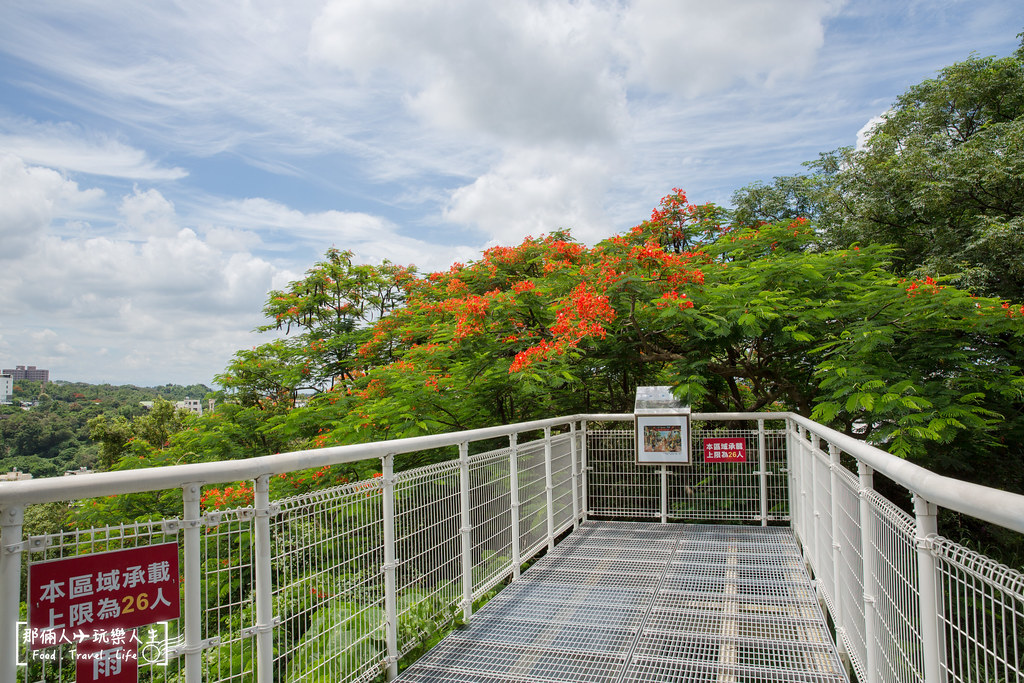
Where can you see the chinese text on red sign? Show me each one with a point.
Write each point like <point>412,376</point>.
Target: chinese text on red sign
<point>84,596</point>
<point>733,449</point>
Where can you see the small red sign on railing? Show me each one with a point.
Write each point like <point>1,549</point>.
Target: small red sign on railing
<point>731,449</point>
<point>80,598</point>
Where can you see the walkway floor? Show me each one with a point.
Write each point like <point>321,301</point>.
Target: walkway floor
<point>631,601</point>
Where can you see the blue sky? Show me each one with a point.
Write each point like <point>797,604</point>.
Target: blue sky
<point>163,165</point>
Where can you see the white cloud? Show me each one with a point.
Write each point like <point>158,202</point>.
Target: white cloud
<point>535,192</point>
<point>159,298</point>
<point>526,71</point>
<point>67,147</point>
<point>199,77</point>
<point>148,212</point>
<point>371,238</point>
<point>868,129</point>
<point>541,71</point>
<point>144,302</point>
<point>694,47</point>
<point>30,198</point>
<point>231,239</point>
<point>266,215</point>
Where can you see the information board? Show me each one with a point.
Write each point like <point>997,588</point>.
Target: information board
<point>662,427</point>
<point>87,596</point>
<point>663,439</point>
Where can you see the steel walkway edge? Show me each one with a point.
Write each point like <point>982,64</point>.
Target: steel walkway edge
<point>632,601</point>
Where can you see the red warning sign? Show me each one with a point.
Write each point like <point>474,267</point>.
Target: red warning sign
<point>731,449</point>
<point>83,597</point>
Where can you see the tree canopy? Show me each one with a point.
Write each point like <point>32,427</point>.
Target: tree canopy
<point>736,317</point>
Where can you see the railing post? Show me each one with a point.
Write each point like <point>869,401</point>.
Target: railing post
<point>584,470</point>
<point>11,520</point>
<point>793,489</point>
<point>806,506</point>
<point>762,466</point>
<point>467,532</point>
<point>193,584</point>
<point>264,600</point>
<point>664,494</point>
<point>815,514</point>
<point>550,488</point>
<point>926,526</point>
<point>513,483</point>
<point>390,565</point>
<point>837,551</point>
<point>575,476</point>
<point>868,560</point>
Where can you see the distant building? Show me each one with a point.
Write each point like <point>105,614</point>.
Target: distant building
<point>193,405</point>
<point>14,475</point>
<point>31,373</point>
<point>6,388</point>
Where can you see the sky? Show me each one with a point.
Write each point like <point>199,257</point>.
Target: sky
<point>164,165</point>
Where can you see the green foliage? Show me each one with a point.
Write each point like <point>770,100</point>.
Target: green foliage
<point>328,311</point>
<point>342,634</point>
<point>938,178</point>
<point>52,437</point>
<point>737,317</point>
<point>114,436</point>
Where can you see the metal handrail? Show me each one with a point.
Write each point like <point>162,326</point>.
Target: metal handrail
<point>991,505</point>
<point>998,507</point>
<point>175,476</point>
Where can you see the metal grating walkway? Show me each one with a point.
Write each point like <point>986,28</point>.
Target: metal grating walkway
<point>631,601</point>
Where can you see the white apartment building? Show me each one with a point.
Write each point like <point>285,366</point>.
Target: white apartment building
<point>193,405</point>
<point>6,388</point>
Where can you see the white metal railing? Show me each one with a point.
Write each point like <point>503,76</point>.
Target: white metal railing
<point>908,604</point>
<point>339,584</point>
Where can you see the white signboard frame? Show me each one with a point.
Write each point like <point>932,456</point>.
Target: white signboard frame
<point>663,439</point>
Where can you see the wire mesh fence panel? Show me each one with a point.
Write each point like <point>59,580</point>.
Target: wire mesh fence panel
<point>532,498</point>
<point>428,543</point>
<point>561,480</point>
<point>982,616</point>
<point>711,488</point>
<point>228,606</point>
<point>717,489</point>
<point>89,596</point>
<point>850,569</point>
<point>617,486</point>
<point>777,462</point>
<point>898,640</point>
<point>823,560</point>
<point>328,585</point>
<point>491,518</point>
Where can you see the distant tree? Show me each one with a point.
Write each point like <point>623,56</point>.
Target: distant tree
<point>939,178</point>
<point>115,435</point>
<point>325,317</point>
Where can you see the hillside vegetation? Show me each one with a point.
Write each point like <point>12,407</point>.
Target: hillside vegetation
<point>51,436</point>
